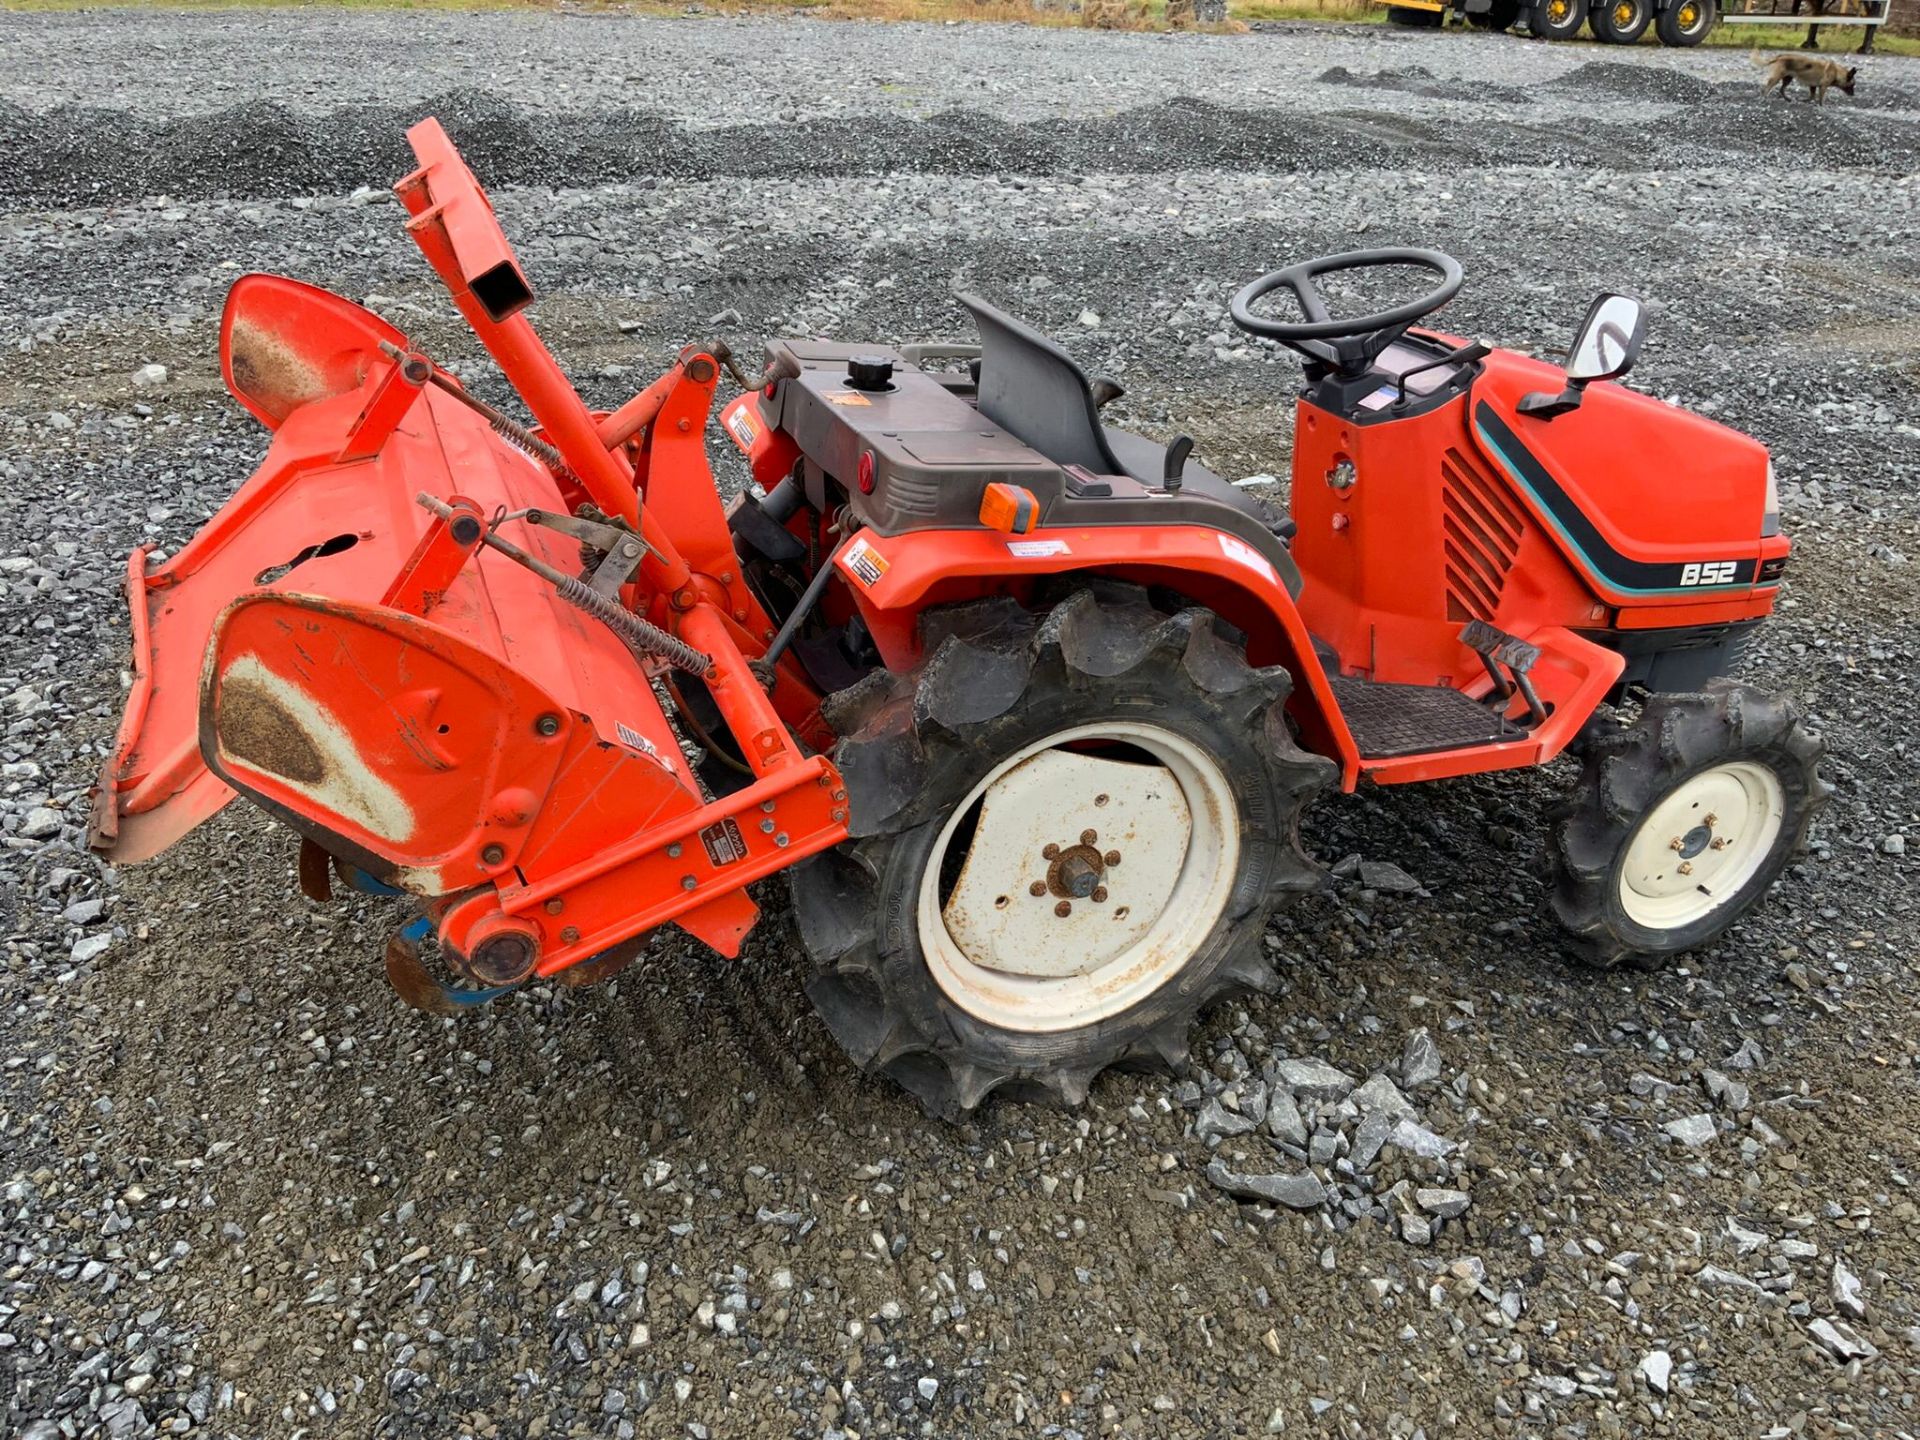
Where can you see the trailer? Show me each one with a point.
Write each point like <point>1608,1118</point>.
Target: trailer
<point>1624,22</point>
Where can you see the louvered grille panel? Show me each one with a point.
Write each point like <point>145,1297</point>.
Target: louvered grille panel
<point>1482,528</point>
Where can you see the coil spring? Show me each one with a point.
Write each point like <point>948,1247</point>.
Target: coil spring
<point>641,634</point>
<point>524,440</point>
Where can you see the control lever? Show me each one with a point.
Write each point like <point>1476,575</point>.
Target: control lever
<point>1177,454</point>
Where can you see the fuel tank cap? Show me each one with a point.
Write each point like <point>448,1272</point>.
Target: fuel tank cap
<point>870,372</point>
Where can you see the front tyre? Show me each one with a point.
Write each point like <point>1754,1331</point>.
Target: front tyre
<point>1678,826</point>
<point>1070,829</point>
<point>1686,23</point>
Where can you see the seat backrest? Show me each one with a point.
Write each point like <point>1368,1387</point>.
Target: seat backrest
<point>1031,388</point>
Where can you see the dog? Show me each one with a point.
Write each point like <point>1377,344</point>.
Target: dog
<point>1818,76</point>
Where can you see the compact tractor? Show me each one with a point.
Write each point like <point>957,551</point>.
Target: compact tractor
<point>1025,707</point>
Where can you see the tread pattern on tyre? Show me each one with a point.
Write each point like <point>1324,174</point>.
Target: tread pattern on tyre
<point>1626,773</point>
<point>916,744</point>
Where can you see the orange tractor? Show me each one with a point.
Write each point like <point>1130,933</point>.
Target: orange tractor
<point>1026,708</point>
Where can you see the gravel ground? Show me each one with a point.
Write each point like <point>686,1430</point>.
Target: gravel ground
<point>248,1193</point>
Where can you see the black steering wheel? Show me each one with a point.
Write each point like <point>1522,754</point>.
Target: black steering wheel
<point>1348,343</point>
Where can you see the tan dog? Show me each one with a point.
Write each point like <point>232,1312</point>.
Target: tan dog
<point>1818,76</point>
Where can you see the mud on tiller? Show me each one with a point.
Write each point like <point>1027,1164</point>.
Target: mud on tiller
<point>1026,705</point>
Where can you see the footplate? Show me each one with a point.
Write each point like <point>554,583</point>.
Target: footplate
<point>1390,720</point>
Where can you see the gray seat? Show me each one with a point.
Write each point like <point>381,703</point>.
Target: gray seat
<point>1031,388</point>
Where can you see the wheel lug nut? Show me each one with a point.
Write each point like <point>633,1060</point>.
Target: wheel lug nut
<point>1039,887</point>
<point>1063,909</point>
<point>1686,867</point>
<point>1112,857</point>
<point>1087,837</point>
<point>1099,893</point>
<point>1050,852</point>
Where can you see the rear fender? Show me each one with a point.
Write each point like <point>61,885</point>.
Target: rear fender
<point>893,578</point>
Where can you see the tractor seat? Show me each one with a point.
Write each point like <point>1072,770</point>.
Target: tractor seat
<point>1032,388</point>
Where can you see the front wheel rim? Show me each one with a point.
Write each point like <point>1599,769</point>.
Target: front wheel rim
<point>1702,846</point>
<point>1103,933</point>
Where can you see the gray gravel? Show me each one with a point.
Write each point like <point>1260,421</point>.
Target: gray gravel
<point>1442,1182</point>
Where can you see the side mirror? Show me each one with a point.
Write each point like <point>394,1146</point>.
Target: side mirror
<point>1606,347</point>
<point>1609,339</point>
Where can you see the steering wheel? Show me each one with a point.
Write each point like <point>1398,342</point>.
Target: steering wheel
<point>1349,343</point>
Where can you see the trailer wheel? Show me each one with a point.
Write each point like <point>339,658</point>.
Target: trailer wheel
<point>1415,19</point>
<point>1678,826</point>
<point>1687,23</point>
<point>1620,22</point>
<point>1070,829</point>
<point>1558,19</point>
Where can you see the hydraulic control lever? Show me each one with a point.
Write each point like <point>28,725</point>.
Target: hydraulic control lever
<point>1176,465</point>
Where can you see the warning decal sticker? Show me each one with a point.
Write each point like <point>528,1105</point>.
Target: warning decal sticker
<point>634,740</point>
<point>1036,549</point>
<point>741,424</point>
<point>864,563</point>
<point>1244,554</point>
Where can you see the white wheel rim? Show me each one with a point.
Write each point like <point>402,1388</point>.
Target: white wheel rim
<point>1701,846</point>
<point>1007,956</point>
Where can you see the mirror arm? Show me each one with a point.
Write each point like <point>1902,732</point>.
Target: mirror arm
<point>1543,405</point>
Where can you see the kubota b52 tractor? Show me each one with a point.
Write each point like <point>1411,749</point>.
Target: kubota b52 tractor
<point>1026,707</point>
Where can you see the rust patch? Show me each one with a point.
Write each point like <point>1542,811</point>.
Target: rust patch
<point>412,983</point>
<point>268,371</point>
<point>316,880</point>
<point>604,966</point>
<point>254,727</point>
<point>1077,872</point>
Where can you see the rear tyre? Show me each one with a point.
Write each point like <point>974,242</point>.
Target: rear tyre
<point>1678,826</point>
<point>1414,19</point>
<point>1621,22</point>
<point>1558,19</point>
<point>1687,23</point>
<point>981,776</point>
